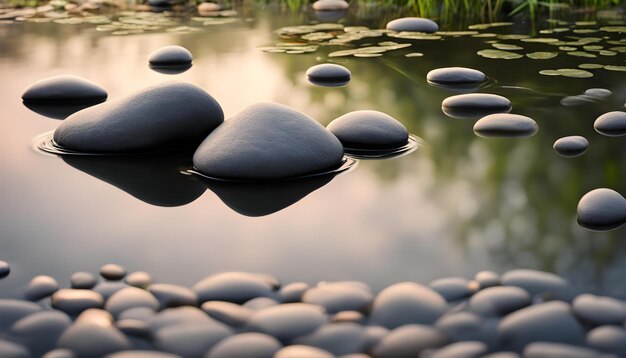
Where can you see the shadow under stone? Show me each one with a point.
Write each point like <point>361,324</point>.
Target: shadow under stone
<point>58,110</point>
<point>170,70</point>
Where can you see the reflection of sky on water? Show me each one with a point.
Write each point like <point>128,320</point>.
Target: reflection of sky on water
<point>457,205</point>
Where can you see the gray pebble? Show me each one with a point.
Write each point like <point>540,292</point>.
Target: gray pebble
<point>571,146</point>
<point>598,92</point>
<point>40,331</point>
<point>467,326</point>
<point>60,353</point>
<point>89,340</point>
<point>75,301</point>
<point>237,149</point>
<point>330,5</point>
<point>487,279</point>
<point>229,313</point>
<point>452,288</point>
<point>406,303</point>
<point>612,124</point>
<point>108,288</point>
<point>409,341</point>
<point>337,297</point>
<point>505,125</point>
<point>179,316</point>
<point>112,272</point>
<point>300,351</point>
<point>535,282</point>
<point>236,287</point>
<point>170,56</point>
<point>475,105</point>
<point>502,355</point>
<point>455,75</point>
<point>469,349</point>
<point>499,300</point>
<point>328,74</point>
<point>142,354</point>
<point>133,327</point>
<point>557,350</point>
<point>348,317</point>
<point>368,129</point>
<point>13,310</point>
<point>246,345</point>
<point>602,209</point>
<point>130,297</point>
<point>144,314</point>
<point>288,321</point>
<point>292,292</point>
<point>40,287</point>
<point>83,280</point>
<point>95,317</point>
<point>413,24</point>
<point>139,279</point>
<point>337,338</point>
<point>5,269</point>
<point>373,335</point>
<point>173,295</point>
<point>260,303</point>
<point>598,310</point>
<point>13,350</point>
<point>64,88</point>
<point>609,339</point>
<point>191,340</point>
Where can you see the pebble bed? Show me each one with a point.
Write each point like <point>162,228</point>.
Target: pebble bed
<point>522,313</point>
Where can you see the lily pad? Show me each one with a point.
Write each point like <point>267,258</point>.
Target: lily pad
<point>567,48</point>
<point>615,68</point>
<point>414,54</point>
<point>567,72</point>
<point>501,46</point>
<point>542,55</point>
<point>486,26</point>
<point>607,53</point>
<point>581,54</point>
<point>613,29</point>
<point>544,40</point>
<point>590,66</point>
<point>499,54</point>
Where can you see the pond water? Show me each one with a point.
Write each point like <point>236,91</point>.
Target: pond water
<point>456,205</point>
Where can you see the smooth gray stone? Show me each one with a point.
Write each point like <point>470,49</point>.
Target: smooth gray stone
<point>268,141</point>
<point>452,288</point>
<point>499,300</point>
<point>40,287</point>
<point>142,354</point>
<point>236,287</point>
<point>468,349</point>
<point>557,350</point>
<point>609,339</point>
<point>328,74</point>
<point>369,130</point>
<point>330,5</point>
<point>112,272</point>
<point>455,75</point>
<point>89,340</point>
<point>40,331</point>
<point>598,92</point>
<point>292,292</point>
<point>598,310</point>
<point>209,7</point>
<point>300,351</point>
<point>170,56</point>
<point>83,280</point>
<point>571,146</point>
<point>337,297</point>
<point>246,345</point>
<point>13,310</point>
<point>108,288</point>
<point>269,279</point>
<point>602,209</point>
<point>288,321</point>
<point>179,316</point>
<point>579,100</point>
<point>407,303</point>
<point>75,301</point>
<point>64,88</point>
<point>413,24</point>
<point>505,125</point>
<point>409,341</point>
<point>535,282</point>
<point>229,313</point>
<point>12,350</point>
<point>173,295</point>
<point>5,269</point>
<point>487,279</point>
<point>144,314</point>
<point>475,105</point>
<point>166,115</point>
<point>348,317</point>
<point>373,335</point>
<point>465,326</point>
<point>612,124</point>
<point>60,353</point>
<point>337,338</point>
<point>133,327</point>
<point>191,340</point>
<point>130,297</point>
<point>260,303</point>
<point>502,355</point>
<point>545,322</point>
<point>95,317</point>
<point>139,279</point>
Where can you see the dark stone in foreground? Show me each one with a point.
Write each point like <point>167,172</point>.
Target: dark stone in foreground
<point>268,141</point>
<point>602,209</point>
<point>328,74</point>
<point>505,125</point>
<point>369,130</point>
<point>416,24</point>
<point>156,118</point>
<point>572,146</point>
<point>475,105</point>
<point>612,124</point>
<point>64,88</point>
<point>170,56</point>
<point>455,75</point>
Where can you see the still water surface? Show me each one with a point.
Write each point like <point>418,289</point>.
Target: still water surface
<point>457,205</point>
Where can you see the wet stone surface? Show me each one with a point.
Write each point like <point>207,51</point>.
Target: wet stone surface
<point>506,125</point>
<point>64,88</point>
<point>413,24</point>
<point>571,146</point>
<point>602,209</point>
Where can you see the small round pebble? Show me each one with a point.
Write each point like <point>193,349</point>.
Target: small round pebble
<point>469,349</point>
<point>236,287</point>
<point>88,340</point>
<point>173,295</point>
<point>300,351</point>
<point>191,340</point>
<point>259,303</point>
<point>246,345</point>
<point>571,146</point>
<point>487,279</point>
<point>505,125</point>
<point>170,56</point>
<point>413,24</point>
<point>452,288</point>
<point>130,297</point>
<point>349,316</point>
<point>367,129</point>
<point>75,301</point>
<point>556,350</point>
<point>612,124</point>
<point>5,269</point>
<point>40,287</point>
<point>209,7</point>
<point>409,341</point>
<point>463,326</point>
<point>133,327</point>
<point>229,313</point>
<point>475,105</point>
<point>534,282</point>
<point>186,315</point>
<point>108,288</point>
<point>112,272</point>
<point>328,73</point>
<point>337,338</point>
<point>83,280</point>
<point>288,321</point>
<point>598,310</point>
<point>499,300</point>
<point>337,297</point>
<point>64,88</point>
<point>96,317</point>
<point>330,5</point>
<point>292,292</point>
<point>602,209</point>
<point>610,339</point>
<point>139,279</point>
<point>598,92</point>
<point>455,75</point>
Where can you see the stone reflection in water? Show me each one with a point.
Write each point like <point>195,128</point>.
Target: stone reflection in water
<point>154,179</point>
<point>58,110</point>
